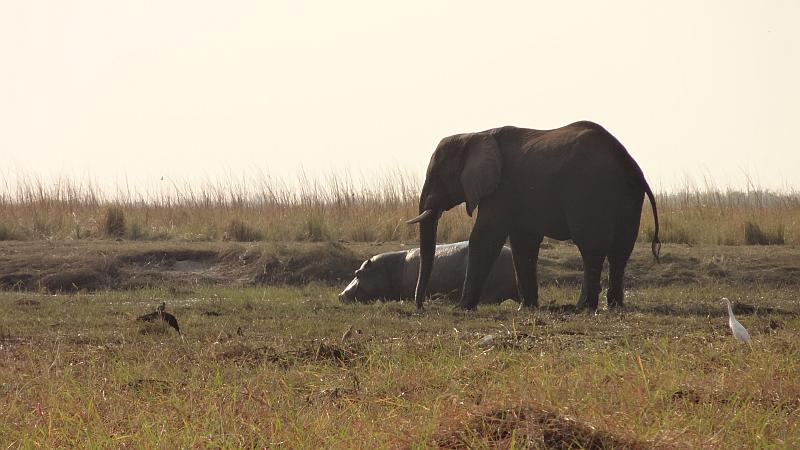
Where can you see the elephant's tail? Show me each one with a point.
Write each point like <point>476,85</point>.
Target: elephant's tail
<point>655,246</point>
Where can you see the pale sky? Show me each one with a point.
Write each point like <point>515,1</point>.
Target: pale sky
<point>704,91</point>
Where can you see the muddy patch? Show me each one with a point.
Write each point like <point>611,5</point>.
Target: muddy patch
<point>189,265</point>
<point>530,427</point>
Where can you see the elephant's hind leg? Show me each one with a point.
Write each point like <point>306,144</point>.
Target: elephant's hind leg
<point>590,290</point>
<point>616,280</point>
<point>627,231</point>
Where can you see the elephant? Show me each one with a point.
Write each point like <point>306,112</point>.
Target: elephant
<point>393,276</point>
<point>576,182</point>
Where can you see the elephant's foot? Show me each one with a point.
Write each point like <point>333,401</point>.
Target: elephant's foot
<point>461,306</point>
<point>586,304</point>
<point>615,299</point>
<point>528,306</point>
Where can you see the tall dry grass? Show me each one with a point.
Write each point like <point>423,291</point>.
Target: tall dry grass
<point>337,207</point>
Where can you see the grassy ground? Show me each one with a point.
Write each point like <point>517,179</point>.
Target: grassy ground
<point>267,367</point>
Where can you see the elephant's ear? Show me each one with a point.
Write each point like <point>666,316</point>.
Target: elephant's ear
<point>482,167</point>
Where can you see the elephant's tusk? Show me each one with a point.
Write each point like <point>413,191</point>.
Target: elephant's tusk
<point>425,214</point>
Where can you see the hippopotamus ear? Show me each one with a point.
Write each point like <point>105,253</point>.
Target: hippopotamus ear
<point>364,267</point>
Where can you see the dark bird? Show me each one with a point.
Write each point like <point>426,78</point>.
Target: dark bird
<point>347,334</point>
<point>160,314</point>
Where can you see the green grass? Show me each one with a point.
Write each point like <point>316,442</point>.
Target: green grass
<point>79,371</point>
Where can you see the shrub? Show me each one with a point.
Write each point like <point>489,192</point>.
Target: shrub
<point>363,232</point>
<point>41,228</point>
<point>754,235</point>
<point>678,235</point>
<point>241,232</point>
<point>113,222</point>
<point>5,233</point>
<point>670,232</point>
<point>137,231</point>
<point>315,229</point>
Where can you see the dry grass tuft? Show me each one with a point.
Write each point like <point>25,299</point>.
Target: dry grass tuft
<point>112,223</point>
<point>241,232</point>
<point>532,427</point>
<point>337,208</point>
<point>5,233</point>
<point>754,235</point>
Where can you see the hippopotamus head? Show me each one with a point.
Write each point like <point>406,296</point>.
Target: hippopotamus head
<point>376,279</point>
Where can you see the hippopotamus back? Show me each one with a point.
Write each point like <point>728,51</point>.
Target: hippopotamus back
<point>450,268</point>
<point>393,276</point>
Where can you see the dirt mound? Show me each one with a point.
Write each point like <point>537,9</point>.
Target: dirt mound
<point>531,427</point>
<point>166,257</point>
<point>89,274</point>
<point>330,262</point>
<point>17,280</point>
<point>73,280</point>
<point>70,266</point>
<point>91,266</point>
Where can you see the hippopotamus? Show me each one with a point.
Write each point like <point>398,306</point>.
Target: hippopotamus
<point>393,276</point>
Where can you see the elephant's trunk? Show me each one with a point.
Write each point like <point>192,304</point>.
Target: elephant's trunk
<point>427,248</point>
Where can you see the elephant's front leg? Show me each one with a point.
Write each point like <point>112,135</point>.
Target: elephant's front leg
<point>525,250</point>
<point>485,242</point>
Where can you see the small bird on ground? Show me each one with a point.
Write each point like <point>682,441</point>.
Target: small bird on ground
<point>160,314</point>
<point>739,332</point>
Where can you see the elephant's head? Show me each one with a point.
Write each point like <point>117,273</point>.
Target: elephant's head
<point>464,168</point>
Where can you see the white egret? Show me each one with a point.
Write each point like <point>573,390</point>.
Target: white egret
<point>739,332</point>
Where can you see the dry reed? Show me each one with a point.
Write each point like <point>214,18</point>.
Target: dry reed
<point>337,207</point>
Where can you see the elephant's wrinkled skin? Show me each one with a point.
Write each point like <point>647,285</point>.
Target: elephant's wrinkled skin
<point>576,182</point>
<point>393,276</point>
